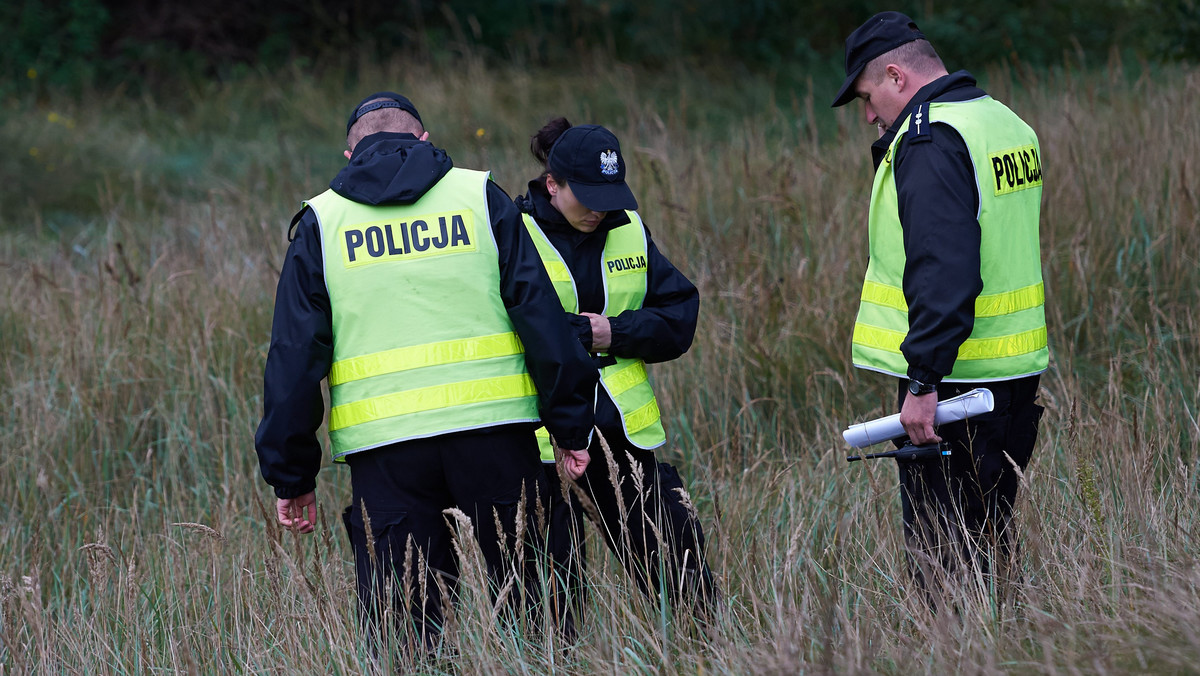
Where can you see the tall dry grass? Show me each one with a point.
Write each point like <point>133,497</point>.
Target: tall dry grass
<point>140,248</point>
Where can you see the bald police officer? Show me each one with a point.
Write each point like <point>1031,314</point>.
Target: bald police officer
<point>414,287</point>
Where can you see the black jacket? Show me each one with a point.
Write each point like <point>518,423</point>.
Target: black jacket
<point>664,326</point>
<point>939,200</point>
<point>397,169</point>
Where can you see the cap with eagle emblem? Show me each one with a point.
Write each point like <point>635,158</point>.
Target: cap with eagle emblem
<point>588,157</point>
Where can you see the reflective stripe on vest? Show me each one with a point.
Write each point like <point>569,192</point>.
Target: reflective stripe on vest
<point>1008,339</point>
<point>422,344</point>
<point>624,272</point>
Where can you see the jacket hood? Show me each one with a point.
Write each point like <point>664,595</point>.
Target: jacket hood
<point>537,203</point>
<point>391,168</point>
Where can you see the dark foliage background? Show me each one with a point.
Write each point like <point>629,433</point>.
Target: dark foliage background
<point>144,42</point>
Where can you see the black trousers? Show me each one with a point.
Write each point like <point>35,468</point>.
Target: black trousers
<point>403,552</point>
<point>958,508</point>
<point>632,499</point>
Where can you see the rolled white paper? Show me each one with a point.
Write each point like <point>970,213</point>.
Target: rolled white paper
<point>965,405</point>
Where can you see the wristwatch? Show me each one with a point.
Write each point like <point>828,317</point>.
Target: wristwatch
<point>918,388</point>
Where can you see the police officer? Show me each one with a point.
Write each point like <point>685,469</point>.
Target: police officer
<point>953,297</point>
<point>629,306</point>
<point>415,288</point>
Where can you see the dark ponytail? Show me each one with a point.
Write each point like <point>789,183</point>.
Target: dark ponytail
<point>541,142</point>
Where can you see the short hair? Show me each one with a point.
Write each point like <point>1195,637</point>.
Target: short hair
<point>384,119</point>
<point>917,55</point>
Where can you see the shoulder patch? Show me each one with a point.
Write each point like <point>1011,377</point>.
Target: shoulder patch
<point>918,124</point>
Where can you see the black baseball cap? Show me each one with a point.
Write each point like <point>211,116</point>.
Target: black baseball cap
<point>879,35</point>
<point>589,159</point>
<point>391,100</point>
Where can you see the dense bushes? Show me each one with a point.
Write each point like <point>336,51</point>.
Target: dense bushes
<point>80,41</point>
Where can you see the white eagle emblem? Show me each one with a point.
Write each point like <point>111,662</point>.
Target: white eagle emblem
<point>608,162</point>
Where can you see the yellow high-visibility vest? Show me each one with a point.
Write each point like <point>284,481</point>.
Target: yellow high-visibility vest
<point>623,266</point>
<point>1009,335</point>
<point>422,344</point>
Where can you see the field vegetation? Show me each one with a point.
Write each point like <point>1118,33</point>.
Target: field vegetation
<point>141,238</point>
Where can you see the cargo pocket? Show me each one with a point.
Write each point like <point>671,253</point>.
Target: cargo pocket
<point>988,440</point>
<point>1022,433</point>
<point>499,510</point>
<point>668,477</point>
<point>380,546</point>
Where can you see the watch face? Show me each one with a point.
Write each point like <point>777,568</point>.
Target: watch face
<point>919,388</point>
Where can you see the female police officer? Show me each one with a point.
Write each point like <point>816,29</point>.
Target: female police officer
<point>629,306</point>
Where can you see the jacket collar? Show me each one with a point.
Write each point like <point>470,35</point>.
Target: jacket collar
<point>537,203</point>
<point>391,168</point>
<point>957,86</point>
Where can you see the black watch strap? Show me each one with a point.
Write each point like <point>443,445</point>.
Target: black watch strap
<point>918,388</point>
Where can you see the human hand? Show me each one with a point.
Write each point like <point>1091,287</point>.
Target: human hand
<point>299,513</point>
<point>572,463</point>
<point>601,331</point>
<point>917,416</point>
